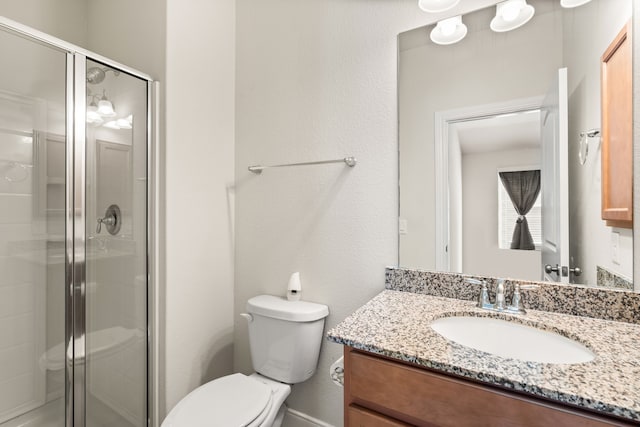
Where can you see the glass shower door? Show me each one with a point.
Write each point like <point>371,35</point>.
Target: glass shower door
<point>73,237</point>
<point>33,145</point>
<point>116,248</point>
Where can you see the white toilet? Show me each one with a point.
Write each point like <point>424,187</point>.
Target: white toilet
<point>284,339</point>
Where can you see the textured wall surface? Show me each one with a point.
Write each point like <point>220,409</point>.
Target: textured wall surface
<point>199,168</point>
<point>582,52</point>
<point>317,80</point>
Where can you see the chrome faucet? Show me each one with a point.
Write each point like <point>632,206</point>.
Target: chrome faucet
<point>484,301</point>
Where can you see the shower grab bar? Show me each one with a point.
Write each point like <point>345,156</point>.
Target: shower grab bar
<point>349,161</point>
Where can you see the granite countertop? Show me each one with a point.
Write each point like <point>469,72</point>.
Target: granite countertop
<point>396,324</point>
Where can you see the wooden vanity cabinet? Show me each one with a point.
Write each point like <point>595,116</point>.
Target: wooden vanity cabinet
<point>381,392</point>
<point>617,131</point>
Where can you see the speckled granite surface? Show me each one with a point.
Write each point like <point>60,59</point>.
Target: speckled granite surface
<point>396,324</point>
<point>611,279</point>
<point>600,303</point>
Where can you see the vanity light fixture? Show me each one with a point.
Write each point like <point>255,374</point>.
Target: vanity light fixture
<point>93,117</point>
<point>511,14</point>
<point>435,6</point>
<point>573,3</point>
<point>125,123</point>
<point>97,113</point>
<point>105,107</point>
<point>449,31</point>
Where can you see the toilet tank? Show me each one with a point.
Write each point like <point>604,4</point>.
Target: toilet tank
<point>285,337</point>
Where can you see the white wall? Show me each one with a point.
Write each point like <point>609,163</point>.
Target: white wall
<point>189,47</point>
<point>456,206</point>
<point>604,18</point>
<point>481,253</point>
<point>200,91</point>
<point>65,19</point>
<point>114,30</point>
<point>317,80</point>
<point>483,68</point>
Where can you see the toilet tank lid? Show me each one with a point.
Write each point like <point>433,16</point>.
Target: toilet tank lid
<point>283,309</point>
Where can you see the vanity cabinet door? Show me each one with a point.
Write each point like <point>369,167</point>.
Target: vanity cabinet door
<point>617,131</point>
<point>421,397</point>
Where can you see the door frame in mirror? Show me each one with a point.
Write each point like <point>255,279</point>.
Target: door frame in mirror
<point>442,121</point>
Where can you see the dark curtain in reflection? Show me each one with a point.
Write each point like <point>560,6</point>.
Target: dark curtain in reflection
<point>523,188</point>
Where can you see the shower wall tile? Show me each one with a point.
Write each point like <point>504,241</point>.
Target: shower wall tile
<point>16,209</point>
<point>11,233</point>
<point>15,148</point>
<point>23,181</point>
<point>16,332</point>
<point>16,161</point>
<point>13,393</point>
<point>13,363</point>
<point>14,271</point>
<point>17,299</point>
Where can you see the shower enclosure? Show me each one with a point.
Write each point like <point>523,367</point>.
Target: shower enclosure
<point>74,138</point>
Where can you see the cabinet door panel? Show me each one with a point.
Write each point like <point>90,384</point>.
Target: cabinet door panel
<point>617,131</point>
<point>425,398</point>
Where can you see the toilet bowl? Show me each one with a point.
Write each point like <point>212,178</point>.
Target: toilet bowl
<point>284,339</point>
<point>234,400</point>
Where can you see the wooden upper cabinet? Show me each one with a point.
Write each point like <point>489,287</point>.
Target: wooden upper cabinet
<point>617,131</point>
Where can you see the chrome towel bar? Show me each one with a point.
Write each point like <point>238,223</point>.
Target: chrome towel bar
<point>349,161</point>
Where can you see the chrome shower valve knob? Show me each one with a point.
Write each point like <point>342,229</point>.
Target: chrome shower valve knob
<point>112,220</point>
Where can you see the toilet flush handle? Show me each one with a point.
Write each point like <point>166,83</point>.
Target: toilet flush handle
<point>247,316</point>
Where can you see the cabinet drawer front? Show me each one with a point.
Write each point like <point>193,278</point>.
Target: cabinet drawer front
<point>425,398</point>
<point>360,417</point>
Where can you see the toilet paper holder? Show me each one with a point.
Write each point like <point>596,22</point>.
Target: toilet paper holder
<point>336,372</point>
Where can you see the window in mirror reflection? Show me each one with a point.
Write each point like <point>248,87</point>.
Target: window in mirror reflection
<point>519,220</point>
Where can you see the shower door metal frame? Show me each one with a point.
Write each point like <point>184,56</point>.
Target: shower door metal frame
<point>77,298</point>
<point>75,220</point>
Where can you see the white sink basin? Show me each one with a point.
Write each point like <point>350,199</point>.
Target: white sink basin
<point>511,340</point>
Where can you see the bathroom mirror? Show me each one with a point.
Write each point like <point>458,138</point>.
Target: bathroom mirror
<point>473,111</point>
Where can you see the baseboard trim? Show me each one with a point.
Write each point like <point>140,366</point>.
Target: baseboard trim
<point>308,418</point>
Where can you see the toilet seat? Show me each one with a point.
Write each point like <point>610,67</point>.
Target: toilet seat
<point>234,400</point>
